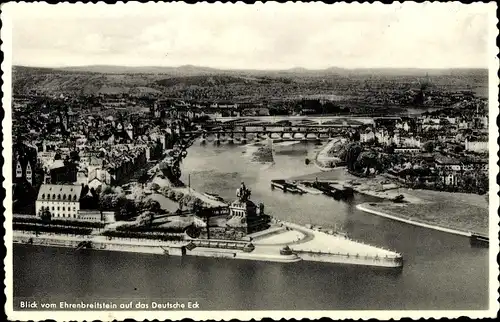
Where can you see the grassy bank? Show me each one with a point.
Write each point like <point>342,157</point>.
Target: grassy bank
<point>446,214</point>
<point>460,211</point>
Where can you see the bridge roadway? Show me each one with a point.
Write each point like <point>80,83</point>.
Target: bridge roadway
<point>283,135</point>
<point>231,125</point>
<point>316,119</point>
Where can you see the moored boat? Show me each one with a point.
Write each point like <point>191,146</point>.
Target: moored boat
<point>285,186</point>
<point>479,240</point>
<point>308,189</point>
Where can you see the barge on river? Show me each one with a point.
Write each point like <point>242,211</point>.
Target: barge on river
<point>334,190</point>
<point>286,186</point>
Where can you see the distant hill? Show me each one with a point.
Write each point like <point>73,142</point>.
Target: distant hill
<point>211,83</point>
<point>186,70</point>
<point>192,70</point>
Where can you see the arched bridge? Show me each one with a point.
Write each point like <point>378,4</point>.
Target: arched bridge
<point>293,133</point>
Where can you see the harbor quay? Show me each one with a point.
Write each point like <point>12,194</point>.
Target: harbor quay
<point>283,242</point>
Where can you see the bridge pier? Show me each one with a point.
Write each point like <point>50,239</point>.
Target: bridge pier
<point>244,136</point>
<point>231,137</point>
<point>217,139</point>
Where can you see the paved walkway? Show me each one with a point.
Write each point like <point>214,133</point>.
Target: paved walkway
<point>322,242</point>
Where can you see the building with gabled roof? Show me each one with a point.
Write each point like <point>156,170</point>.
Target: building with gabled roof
<point>60,200</point>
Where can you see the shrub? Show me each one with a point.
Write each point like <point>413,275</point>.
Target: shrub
<point>154,186</point>
<point>52,229</point>
<point>142,235</point>
<point>179,196</point>
<point>171,195</point>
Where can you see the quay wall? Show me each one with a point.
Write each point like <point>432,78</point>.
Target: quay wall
<point>350,259</point>
<point>394,260</point>
<point>74,241</point>
<point>365,208</point>
<point>172,250</point>
<point>48,241</point>
<point>211,253</point>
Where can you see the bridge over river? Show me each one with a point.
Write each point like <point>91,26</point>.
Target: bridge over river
<point>318,120</point>
<point>234,132</point>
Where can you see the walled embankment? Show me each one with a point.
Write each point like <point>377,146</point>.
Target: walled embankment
<point>367,208</point>
<point>337,248</point>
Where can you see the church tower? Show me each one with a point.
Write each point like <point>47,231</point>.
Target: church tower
<point>29,173</point>
<point>19,169</point>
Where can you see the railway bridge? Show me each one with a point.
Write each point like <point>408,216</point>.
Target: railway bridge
<point>233,133</point>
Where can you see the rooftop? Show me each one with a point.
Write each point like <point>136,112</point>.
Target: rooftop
<point>60,192</point>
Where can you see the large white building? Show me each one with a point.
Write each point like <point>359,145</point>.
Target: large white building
<point>476,146</point>
<point>62,201</point>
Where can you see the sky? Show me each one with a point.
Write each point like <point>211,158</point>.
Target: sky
<point>262,36</point>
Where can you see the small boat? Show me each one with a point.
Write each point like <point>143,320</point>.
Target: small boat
<point>479,240</point>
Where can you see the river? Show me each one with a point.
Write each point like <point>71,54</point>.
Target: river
<point>441,271</point>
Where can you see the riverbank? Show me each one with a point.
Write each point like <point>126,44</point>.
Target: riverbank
<point>304,244</point>
<point>372,209</point>
<point>459,213</point>
<point>323,160</point>
<point>267,253</point>
<point>446,215</point>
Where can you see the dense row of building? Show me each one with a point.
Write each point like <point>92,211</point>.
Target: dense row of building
<point>444,152</point>
<point>66,148</point>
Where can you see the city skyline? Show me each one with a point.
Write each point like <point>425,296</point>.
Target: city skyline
<point>274,37</point>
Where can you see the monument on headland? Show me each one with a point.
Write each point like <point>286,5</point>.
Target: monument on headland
<point>244,215</point>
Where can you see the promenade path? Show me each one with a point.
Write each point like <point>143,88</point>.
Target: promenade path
<point>318,241</point>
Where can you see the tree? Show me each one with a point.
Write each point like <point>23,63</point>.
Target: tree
<point>179,196</point>
<point>171,195</point>
<point>154,186</point>
<point>356,136</point>
<point>153,206</point>
<point>458,149</point>
<point>106,202</point>
<point>196,205</point>
<point>165,191</point>
<point>390,149</point>
<point>353,152</point>
<point>429,146</point>
<point>106,190</point>
<point>143,178</point>
<point>46,216</point>
<point>74,156</point>
<point>187,200</point>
